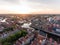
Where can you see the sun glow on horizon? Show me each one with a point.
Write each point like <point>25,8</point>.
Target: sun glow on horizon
<point>21,8</point>
<point>26,7</point>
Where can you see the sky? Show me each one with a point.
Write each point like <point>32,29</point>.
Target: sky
<point>30,6</point>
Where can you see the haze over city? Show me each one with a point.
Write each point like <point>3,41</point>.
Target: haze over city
<point>29,7</point>
<point>29,22</point>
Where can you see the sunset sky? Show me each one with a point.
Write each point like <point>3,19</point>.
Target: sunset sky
<point>30,6</point>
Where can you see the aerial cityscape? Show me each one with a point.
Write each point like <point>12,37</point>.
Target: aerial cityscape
<point>29,22</point>
<point>18,29</point>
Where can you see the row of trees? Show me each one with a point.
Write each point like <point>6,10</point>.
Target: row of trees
<point>12,38</point>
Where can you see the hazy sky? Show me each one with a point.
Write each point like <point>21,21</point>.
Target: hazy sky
<point>30,6</point>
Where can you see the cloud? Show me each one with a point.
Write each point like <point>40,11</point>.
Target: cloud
<point>30,5</point>
<point>9,1</point>
<point>45,1</point>
<point>54,4</point>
